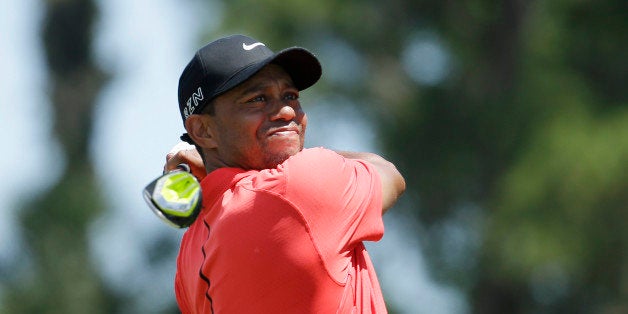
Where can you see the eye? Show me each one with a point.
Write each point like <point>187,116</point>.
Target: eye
<point>291,96</point>
<point>259,98</point>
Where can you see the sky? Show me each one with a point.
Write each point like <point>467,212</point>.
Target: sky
<point>144,45</point>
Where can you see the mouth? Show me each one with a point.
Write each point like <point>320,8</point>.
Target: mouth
<point>284,131</point>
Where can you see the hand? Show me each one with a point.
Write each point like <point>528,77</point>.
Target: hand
<point>184,153</point>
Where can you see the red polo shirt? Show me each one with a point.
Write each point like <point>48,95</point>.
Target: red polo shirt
<point>284,240</point>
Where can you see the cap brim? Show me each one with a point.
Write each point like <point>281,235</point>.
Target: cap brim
<point>302,66</point>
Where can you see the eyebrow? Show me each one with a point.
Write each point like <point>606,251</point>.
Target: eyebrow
<point>263,85</point>
<point>253,89</point>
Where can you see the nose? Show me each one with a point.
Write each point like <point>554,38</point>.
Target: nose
<point>283,112</point>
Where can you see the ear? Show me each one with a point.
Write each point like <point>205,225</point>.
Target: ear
<point>201,130</point>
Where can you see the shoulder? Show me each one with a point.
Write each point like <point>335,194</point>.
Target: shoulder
<point>326,175</point>
<point>314,167</point>
<point>310,171</point>
<point>308,167</point>
<point>314,159</point>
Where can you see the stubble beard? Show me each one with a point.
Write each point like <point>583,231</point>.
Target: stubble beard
<point>273,160</point>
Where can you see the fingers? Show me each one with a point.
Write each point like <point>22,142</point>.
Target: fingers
<point>184,153</point>
<point>181,146</point>
<point>181,157</point>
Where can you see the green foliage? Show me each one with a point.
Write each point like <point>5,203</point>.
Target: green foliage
<point>57,275</point>
<point>529,127</point>
<point>563,206</point>
<point>60,278</point>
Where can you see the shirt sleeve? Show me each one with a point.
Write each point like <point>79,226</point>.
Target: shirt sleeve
<point>339,198</point>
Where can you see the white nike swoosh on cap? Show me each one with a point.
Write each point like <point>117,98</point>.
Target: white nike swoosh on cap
<point>251,46</point>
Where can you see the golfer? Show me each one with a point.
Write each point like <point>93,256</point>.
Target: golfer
<point>282,227</point>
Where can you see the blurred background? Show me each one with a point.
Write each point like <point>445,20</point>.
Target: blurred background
<point>509,120</point>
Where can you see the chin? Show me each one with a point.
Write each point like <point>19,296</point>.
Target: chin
<point>272,160</point>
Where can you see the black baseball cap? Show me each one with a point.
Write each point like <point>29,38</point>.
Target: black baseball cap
<point>225,63</point>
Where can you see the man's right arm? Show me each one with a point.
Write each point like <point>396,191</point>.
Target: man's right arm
<point>393,183</point>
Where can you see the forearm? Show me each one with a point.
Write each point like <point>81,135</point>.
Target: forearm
<point>393,183</point>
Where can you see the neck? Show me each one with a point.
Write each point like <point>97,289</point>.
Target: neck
<point>212,161</point>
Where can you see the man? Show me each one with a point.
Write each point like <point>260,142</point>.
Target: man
<point>282,227</point>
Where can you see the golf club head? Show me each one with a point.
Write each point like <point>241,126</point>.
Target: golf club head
<point>175,197</point>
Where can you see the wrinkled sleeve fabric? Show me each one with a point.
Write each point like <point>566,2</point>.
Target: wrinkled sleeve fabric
<point>340,198</point>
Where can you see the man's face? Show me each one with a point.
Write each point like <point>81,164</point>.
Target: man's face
<point>259,123</point>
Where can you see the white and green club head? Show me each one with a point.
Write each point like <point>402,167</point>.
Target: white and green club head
<point>175,197</point>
